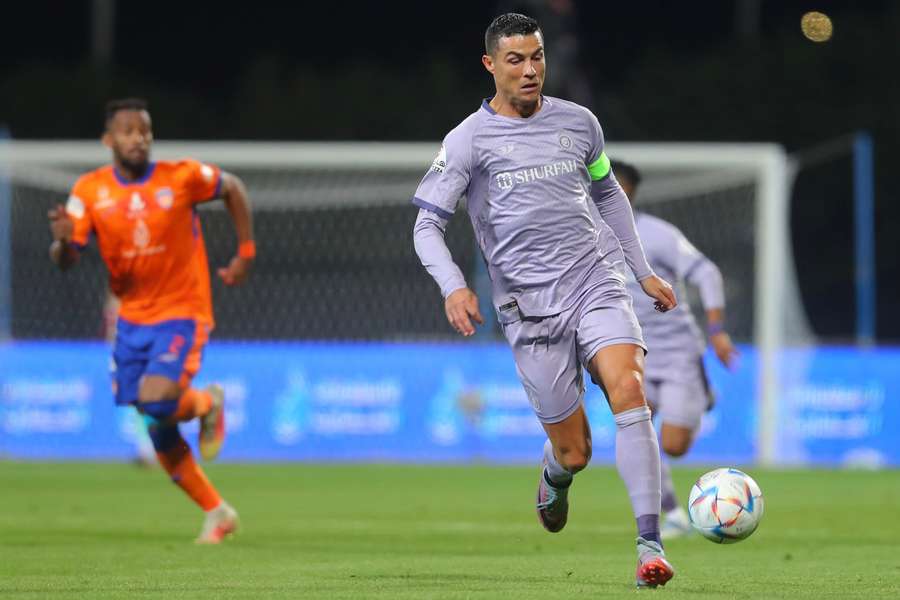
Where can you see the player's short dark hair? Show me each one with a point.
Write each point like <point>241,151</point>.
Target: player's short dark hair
<point>627,170</point>
<point>507,25</point>
<point>114,106</point>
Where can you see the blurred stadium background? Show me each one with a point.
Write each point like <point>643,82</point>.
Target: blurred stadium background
<point>338,348</point>
<point>773,153</point>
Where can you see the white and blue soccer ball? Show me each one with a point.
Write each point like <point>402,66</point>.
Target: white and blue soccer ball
<point>725,505</point>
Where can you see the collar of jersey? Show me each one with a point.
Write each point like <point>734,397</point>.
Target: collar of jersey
<point>545,104</point>
<point>142,180</point>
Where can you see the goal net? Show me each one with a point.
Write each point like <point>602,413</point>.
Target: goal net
<point>333,225</point>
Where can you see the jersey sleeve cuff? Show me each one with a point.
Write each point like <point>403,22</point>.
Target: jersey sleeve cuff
<point>645,275</point>
<point>218,189</point>
<point>444,214</point>
<point>453,286</point>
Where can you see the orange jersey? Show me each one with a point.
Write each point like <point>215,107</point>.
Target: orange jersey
<point>150,237</point>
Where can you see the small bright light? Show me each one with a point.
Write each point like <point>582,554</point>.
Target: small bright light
<point>816,26</point>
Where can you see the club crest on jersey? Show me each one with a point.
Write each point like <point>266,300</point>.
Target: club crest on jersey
<point>165,198</point>
<point>137,203</point>
<point>440,161</point>
<point>565,142</point>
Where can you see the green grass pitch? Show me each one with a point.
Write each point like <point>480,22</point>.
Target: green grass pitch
<point>311,531</point>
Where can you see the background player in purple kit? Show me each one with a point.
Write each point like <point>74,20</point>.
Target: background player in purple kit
<point>530,167</point>
<point>674,376</point>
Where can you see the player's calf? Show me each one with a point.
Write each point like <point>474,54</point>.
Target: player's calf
<point>676,441</point>
<point>212,424</point>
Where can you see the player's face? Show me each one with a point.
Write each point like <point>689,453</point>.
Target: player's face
<point>518,68</point>
<point>129,135</point>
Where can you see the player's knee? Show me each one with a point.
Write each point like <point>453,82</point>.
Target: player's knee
<point>163,435</point>
<point>575,457</point>
<point>158,409</point>
<point>158,397</point>
<point>675,449</point>
<point>156,388</point>
<point>675,445</point>
<point>627,393</point>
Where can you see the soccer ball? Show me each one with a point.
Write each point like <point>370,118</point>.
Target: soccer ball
<point>725,506</point>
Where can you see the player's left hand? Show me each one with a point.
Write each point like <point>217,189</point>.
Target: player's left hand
<point>61,225</point>
<point>659,289</point>
<point>724,349</point>
<point>237,271</point>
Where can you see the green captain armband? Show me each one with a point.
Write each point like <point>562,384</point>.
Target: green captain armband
<point>599,168</point>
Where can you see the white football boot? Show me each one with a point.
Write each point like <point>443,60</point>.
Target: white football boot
<point>676,523</point>
<point>220,522</point>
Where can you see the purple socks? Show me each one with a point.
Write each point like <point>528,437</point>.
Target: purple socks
<point>637,460</point>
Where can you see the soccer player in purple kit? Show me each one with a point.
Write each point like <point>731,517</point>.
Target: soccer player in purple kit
<point>530,165</point>
<point>674,376</point>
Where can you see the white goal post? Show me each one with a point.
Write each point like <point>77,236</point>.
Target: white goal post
<point>675,173</point>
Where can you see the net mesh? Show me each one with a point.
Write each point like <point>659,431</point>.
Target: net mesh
<point>717,213</point>
<point>336,259</point>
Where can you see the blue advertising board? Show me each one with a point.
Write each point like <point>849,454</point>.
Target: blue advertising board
<point>839,406</point>
<point>419,402</point>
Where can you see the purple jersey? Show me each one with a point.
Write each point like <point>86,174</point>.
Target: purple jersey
<point>528,186</point>
<point>673,337</point>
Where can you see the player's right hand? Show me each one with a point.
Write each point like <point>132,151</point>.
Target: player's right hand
<point>462,308</point>
<point>659,289</point>
<point>236,272</point>
<point>724,349</point>
<point>60,224</point>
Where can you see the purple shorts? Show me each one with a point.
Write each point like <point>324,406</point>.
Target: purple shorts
<point>551,352</point>
<point>682,400</point>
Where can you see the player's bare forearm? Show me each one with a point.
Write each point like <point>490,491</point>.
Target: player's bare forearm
<point>719,338</point>
<point>234,195</point>
<point>62,253</point>
<point>715,318</point>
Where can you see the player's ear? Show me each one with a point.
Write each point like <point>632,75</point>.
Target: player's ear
<point>106,138</point>
<point>488,63</point>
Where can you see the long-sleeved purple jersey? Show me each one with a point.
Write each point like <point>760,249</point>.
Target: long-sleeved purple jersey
<point>676,260</point>
<point>529,184</point>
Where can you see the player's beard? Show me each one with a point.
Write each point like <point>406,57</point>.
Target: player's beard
<point>135,167</point>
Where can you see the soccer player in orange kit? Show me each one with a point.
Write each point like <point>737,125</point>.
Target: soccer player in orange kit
<point>143,214</point>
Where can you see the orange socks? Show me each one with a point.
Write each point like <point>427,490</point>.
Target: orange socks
<point>180,465</point>
<point>192,403</point>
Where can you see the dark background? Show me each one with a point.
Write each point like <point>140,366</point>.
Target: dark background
<point>651,70</point>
